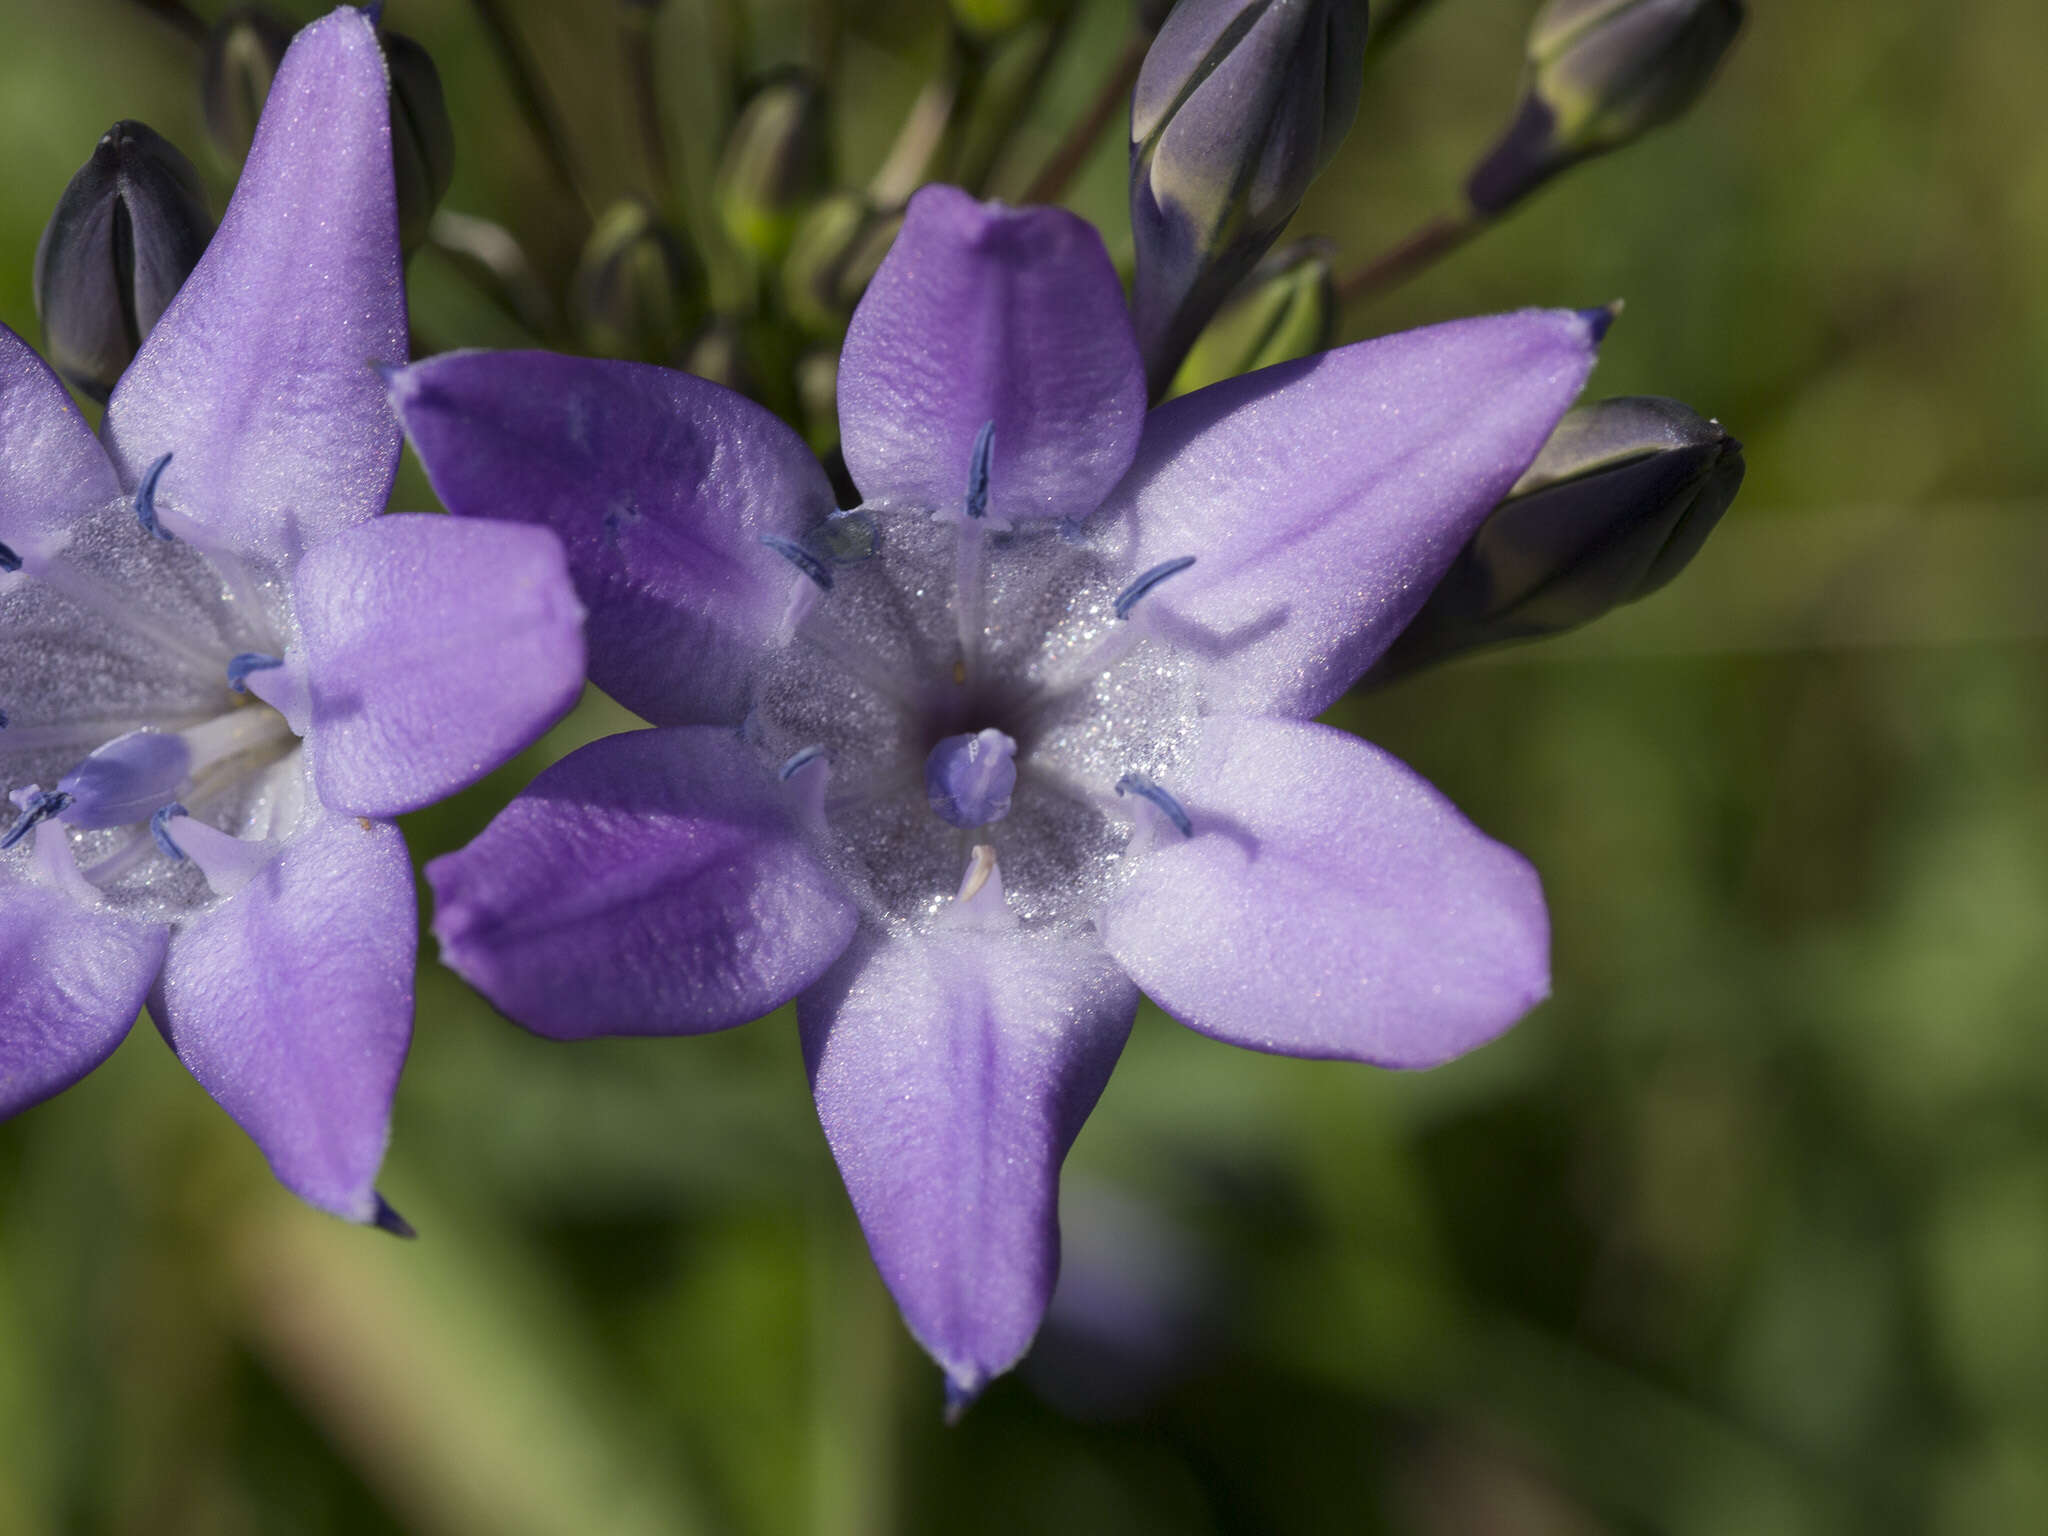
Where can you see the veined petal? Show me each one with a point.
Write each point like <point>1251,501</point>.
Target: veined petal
<point>257,379</point>
<point>1330,902</point>
<point>291,1002</point>
<point>435,648</point>
<point>72,980</point>
<point>661,486</point>
<point>652,883</point>
<point>52,469</point>
<point>1325,498</point>
<point>952,1073</point>
<point>981,314</point>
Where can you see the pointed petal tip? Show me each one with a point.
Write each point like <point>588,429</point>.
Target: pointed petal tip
<point>385,1219</point>
<point>373,12</point>
<point>1599,320</point>
<point>963,1389</point>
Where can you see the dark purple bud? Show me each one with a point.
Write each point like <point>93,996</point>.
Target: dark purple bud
<point>1619,501</point>
<point>1601,73</point>
<point>242,54</point>
<point>1240,104</point>
<point>126,234</point>
<point>422,139</point>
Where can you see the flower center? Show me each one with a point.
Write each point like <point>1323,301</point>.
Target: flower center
<point>976,693</point>
<point>130,685</point>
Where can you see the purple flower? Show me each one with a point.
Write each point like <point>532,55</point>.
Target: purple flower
<point>963,770</point>
<point>221,673</point>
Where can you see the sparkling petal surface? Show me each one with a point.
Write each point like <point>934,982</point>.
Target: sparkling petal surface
<point>660,486</point>
<point>435,648</point>
<point>1330,903</point>
<point>952,1074</point>
<point>650,883</point>
<point>291,1002</point>
<point>72,981</point>
<point>52,468</point>
<point>979,314</point>
<point>1325,498</point>
<point>257,379</point>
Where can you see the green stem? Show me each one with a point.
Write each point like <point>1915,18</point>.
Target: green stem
<point>531,97</point>
<point>1413,256</point>
<point>1113,96</point>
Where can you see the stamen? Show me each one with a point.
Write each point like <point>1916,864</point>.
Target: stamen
<point>240,666</point>
<point>978,468</point>
<point>227,861</point>
<point>10,562</point>
<point>844,538</point>
<point>36,807</point>
<point>1129,598</point>
<point>798,763</point>
<point>968,780</point>
<point>145,500</point>
<point>1170,808</point>
<point>160,831</point>
<point>801,558</point>
<point>981,868</point>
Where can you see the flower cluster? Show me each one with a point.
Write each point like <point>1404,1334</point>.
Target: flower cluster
<point>960,764</point>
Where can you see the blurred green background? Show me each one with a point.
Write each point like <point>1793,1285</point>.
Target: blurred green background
<point>1745,1231</point>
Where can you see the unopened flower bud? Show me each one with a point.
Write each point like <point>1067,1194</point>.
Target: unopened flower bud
<point>1619,501</point>
<point>422,139</point>
<point>126,234</point>
<point>1601,73</point>
<point>242,54</point>
<point>1240,104</point>
<point>832,258</point>
<point>775,165</point>
<point>1286,309</point>
<point>631,294</point>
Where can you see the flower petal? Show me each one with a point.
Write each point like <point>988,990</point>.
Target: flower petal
<point>72,980</point>
<point>1330,903</point>
<point>952,1072</point>
<point>291,1002</point>
<point>1323,499</point>
<point>435,648</point>
<point>660,485</point>
<point>52,468</point>
<point>979,314</point>
<point>652,883</point>
<point>257,378</point>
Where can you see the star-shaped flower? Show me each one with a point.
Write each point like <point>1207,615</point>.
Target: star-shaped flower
<point>963,770</point>
<point>221,672</point>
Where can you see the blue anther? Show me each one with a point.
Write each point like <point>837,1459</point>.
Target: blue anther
<point>968,780</point>
<point>240,666</point>
<point>1129,598</point>
<point>40,808</point>
<point>1138,784</point>
<point>801,558</point>
<point>799,762</point>
<point>160,831</point>
<point>145,500</point>
<point>977,470</point>
<point>10,562</point>
<point>3,719</point>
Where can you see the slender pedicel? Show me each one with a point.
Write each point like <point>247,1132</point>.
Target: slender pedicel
<point>241,665</point>
<point>1130,597</point>
<point>1170,808</point>
<point>145,500</point>
<point>801,558</point>
<point>36,807</point>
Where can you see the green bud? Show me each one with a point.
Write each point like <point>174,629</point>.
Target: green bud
<point>1602,73</point>
<point>242,54</point>
<point>775,165</point>
<point>1617,504</point>
<point>832,259</point>
<point>1286,309</point>
<point>422,139</point>
<point>632,293</point>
